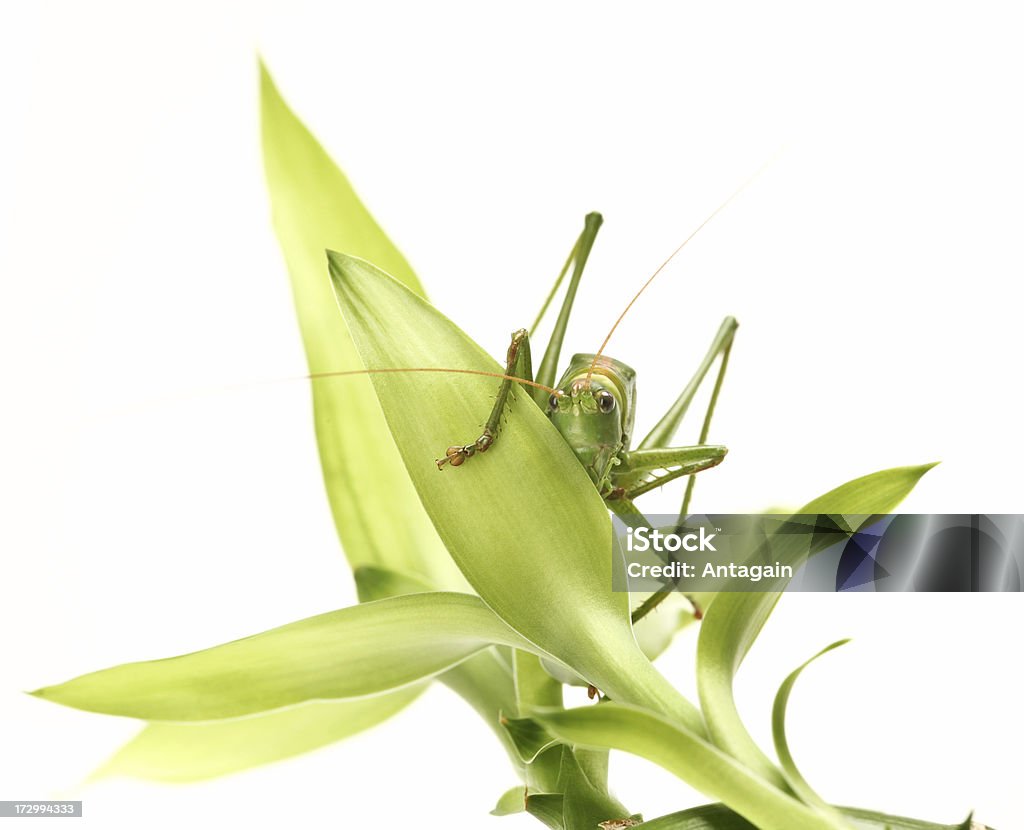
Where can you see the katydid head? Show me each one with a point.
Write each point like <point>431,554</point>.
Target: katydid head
<point>593,409</point>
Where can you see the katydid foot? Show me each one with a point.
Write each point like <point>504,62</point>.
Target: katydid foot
<point>456,455</point>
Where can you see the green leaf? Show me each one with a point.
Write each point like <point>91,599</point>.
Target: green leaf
<point>187,752</point>
<point>486,684</point>
<point>301,176</point>
<point>534,747</point>
<point>585,803</point>
<point>576,800</point>
<point>735,619</point>
<point>720,817</point>
<point>483,681</point>
<point>688,756</point>
<point>528,736</point>
<point>524,523</point>
<point>795,779</point>
<point>547,809</point>
<point>314,207</point>
<point>705,817</point>
<point>511,802</point>
<point>541,774</point>
<point>879,492</point>
<point>351,653</point>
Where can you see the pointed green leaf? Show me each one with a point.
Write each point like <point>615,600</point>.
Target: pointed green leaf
<point>523,522</point>
<point>314,207</point>
<point>879,492</point>
<point>351,653</point>
<point>301,176</point>
<point>735,619</point>
<point>797,783</point>
<point>187,752</point>
<point>688,756</point>
<point>511,802</point>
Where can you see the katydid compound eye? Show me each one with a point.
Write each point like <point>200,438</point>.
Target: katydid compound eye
<point>553,402</point>
<point>605,401</point>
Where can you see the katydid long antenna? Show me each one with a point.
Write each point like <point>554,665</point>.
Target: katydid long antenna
<point>388,370</point>
<point>499,375</point>
<point>437,369</point>
<point>253,384</point>
<point>683,244</point>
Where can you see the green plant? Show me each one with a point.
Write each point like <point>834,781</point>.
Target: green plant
<point>466,588</point>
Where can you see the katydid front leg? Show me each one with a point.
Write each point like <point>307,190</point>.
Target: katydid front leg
<point>638,472</point>
<point>631,516</point>
<point>518,364</point>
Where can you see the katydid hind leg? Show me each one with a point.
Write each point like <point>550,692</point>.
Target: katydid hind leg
<point>705,428</point>
<point>640,467</point>
<point>664,431</point>
<point>518,364</point>
<point>722,345</point>
<point>631,516</point>
<point>548,368</point>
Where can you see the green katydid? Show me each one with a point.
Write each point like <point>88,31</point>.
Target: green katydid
<point>593,405</point>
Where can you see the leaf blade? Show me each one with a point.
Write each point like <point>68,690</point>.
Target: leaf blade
<point>794,778</point>
<point>498,514</point>
<point>314,207</point>
<point>689,757</point>
<point>512,801</point>
<point>352,653</point>
<point>735,619</point>
<point>190,752</point>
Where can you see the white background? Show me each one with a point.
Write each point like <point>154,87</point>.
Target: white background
<point>151,506</point>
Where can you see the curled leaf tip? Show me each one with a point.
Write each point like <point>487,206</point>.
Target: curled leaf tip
<point>790,771</point>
